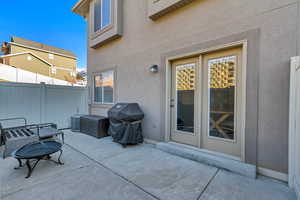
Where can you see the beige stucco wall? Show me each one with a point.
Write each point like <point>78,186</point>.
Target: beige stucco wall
<point>145,42</point>
<point>33,65</point>
<point>63,75</point>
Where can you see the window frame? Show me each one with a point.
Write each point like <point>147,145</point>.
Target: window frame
<point>94,33</point>
<point>51,56</point>
<point>101,14</point>
<point>159,8</point>
<point>110,32</point>
<point>53,70</point>
<point>93,88</point>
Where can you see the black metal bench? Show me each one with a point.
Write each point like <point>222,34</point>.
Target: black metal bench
<point>13,138</point>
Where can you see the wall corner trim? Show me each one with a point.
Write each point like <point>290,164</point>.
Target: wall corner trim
<point>273,174</point>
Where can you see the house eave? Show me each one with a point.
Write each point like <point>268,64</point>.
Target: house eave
<point>81,7</point>
<point>27,52</point>
<point>38,49</point>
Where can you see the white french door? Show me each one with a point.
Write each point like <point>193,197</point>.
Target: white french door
<point>206,101</point>
<point>184,101</point>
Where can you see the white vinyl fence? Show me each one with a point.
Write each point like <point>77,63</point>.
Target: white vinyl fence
<point>41,103</point>
<point>13,74</point>
<point>294,126</point>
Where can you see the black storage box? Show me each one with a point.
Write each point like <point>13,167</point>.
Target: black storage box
<point>94,125</point>
<point>75,122</point>
<point>126,123</point>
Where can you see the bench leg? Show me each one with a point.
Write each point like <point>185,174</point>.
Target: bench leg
<point>20,164</point>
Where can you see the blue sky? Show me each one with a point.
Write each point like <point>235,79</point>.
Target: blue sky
<point>49,22</point>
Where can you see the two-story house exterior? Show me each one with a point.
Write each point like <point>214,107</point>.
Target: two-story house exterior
<point>40,58</point>
<point>209,74</point>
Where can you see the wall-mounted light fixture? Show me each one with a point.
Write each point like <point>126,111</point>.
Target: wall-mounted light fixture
<point>154,68</point>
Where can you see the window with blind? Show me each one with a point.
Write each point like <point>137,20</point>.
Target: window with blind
<point>104,88</point>
<point>102,14</point>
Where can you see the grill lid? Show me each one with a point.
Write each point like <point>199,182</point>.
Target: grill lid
<point>126,112</point>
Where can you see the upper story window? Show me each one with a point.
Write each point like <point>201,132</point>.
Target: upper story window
<point>105,21</point>
<point>53,70</point>
<point>102,14</point>
<point>104,88</point>
<point>51,56</point>
<point>73,74</point>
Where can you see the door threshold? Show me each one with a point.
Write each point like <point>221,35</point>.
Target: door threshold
<point>207,151</point>
<point>229,163</point>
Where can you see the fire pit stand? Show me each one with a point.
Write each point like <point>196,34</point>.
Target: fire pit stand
<point>36,151</point>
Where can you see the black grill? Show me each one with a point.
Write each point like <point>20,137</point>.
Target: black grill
<point>126,123</point>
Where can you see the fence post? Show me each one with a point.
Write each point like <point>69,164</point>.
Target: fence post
<point>43,101</point>
<point>17,74</point>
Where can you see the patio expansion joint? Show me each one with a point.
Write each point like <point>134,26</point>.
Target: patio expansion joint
<point>115,173</point>
<point>24,187</point>
<point>105,158</point>
<point>206,186</point>
<point>5,195</point>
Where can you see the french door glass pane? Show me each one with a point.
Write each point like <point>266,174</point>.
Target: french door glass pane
<point>222,83</point>
<point>185,92</point>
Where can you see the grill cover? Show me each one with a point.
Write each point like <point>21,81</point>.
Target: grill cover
<point>125,123</point>
<point>126,112</point>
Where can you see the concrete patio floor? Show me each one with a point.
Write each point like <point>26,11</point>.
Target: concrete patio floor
<point>101,169</point>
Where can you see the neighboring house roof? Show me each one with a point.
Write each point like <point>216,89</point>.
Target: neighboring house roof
<point>40,46</point>
<point>17,54</point>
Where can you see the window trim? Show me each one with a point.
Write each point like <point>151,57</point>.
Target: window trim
<point>94,34</point>
<point>110,32</point>
<point>93,88</point>
<point>159,8</point>
<point>53,70</point>
<point>51,56</point>
<point>101,13</point>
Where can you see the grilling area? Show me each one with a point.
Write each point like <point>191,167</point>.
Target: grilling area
<point>74,155</point>
<point>36,142</point>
